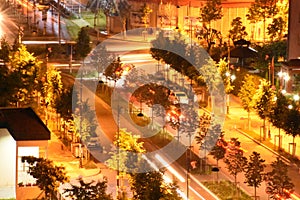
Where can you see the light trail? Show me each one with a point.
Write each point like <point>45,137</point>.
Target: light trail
<point>295,196</point>
<point>171,169</point>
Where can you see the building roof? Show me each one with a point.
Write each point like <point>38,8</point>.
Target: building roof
<point>201,3</point>
<point>292,63</point>
<point>23,124</point>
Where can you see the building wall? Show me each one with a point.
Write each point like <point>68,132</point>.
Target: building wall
<point>8,165</point>
<point>294,30</point>
<point>185,17</point>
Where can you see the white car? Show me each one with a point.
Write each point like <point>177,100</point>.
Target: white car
<point>181,97</point>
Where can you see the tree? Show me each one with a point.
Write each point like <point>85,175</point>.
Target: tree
<point>225,74</point>
<point>264,102</point>
<point>261,10</point>
<point>5,50</point>
<point>292,123</point>
<point>254,172</point>
<point>82,47</point>
<point>279,185</point>
<point>85,121</point>
<point>246,93</point>
<point>237,31</point>
<point>48,176</point>
<point>279,113</point>
<point>151,186</point>
<point>124,12</point>
<point>212,11</point>
<point>26,73</point>
<point>278,28</point>
<point>63,104</point>
<point>106,6</point>
<point>146,10</point>
<point>90,190</point>
<point>101,58</point>
<point>234,160</point>
<point>52,87</point>
<point>219,150</point>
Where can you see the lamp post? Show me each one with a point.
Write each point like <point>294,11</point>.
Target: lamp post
<point>188,160</point>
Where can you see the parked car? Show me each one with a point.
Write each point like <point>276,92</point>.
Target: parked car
<point>93,143</point>
<point>180,97</point>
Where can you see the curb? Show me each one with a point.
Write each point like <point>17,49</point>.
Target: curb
<point>266,147</point>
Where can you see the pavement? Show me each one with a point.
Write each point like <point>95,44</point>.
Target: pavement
<point>237,118</point>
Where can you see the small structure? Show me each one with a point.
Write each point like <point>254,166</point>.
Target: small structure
<point>290,75</point>
<point>242,51</point>
<point>22,133</point>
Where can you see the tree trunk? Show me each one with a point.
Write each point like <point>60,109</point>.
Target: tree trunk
<point>264,129</point>
<point>294,147</point>
<point>279,140</point>
<point>107,23</point>
<point>124,28</point>
<point>235,187</point>
<point>249,120</point>
<point>264,34</point>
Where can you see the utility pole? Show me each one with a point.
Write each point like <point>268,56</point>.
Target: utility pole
<point>59,25</point>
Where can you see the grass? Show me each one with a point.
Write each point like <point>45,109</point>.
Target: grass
<point>88,16</point>
<point>72,28</point>
<point>9,199</point>
<point>225,190</point>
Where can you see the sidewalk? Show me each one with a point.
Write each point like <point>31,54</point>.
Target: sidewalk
<point>238,116</point>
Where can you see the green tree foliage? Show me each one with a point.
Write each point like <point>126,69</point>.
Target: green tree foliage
<point>89,190</point>
<point>151,186</point>
<point>279,113</point>
<point>212,11</point>
<point>276,49</point>
<point>246,94</point>
<point>5,50</point>
<point>261,10</point>
<point>234,159</point>
<point>178,50</point>
<point>64,102</point>
<point>278,28</point>
<point>82,47</point>
<point>254,172</point>
<point>292,123</point>
<point>264,102</point>
<point>114,70</point>
<point>219,150</point>
<point>26,73</point>
<point>48,176</point>
<point>225,74</point>
<point>152,94</point>
<point>279,184</point>
<point>52,87</point>
<point>7,85</point>
<point>101,58</point>
<point>146,11</point>
<point>85,121</point>
<point>123,159</point>
<point>237,31</point>
<point>210,35</point>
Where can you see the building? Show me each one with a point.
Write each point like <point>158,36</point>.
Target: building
<point>291,69</point>
<point>184,15</point>
<point>294,30</point>
<point>22,133</point>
